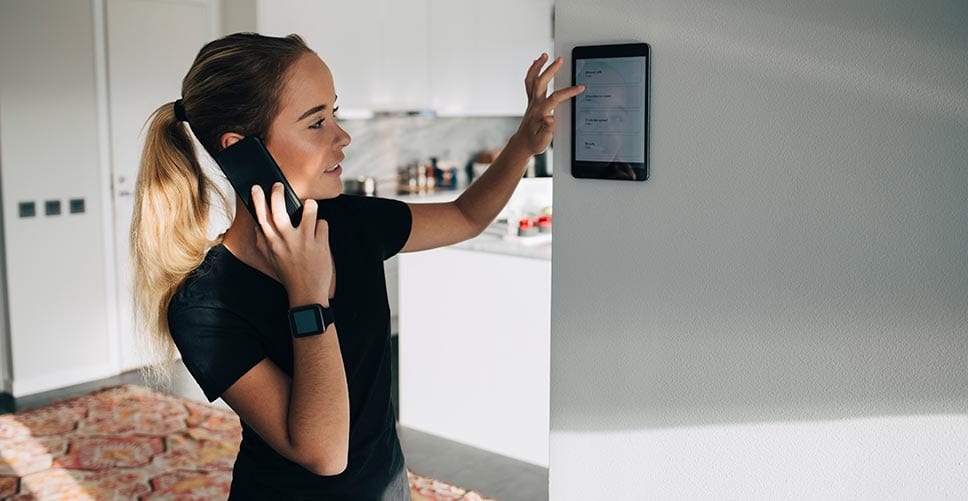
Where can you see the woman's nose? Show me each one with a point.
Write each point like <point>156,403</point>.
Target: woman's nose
<point>345,138</point>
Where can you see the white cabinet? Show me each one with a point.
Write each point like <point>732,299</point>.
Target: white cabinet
<point>344,34</point>
<point>404,59</point>
<point>453,56</point>
<point>458,57</point>
<point>475,333</point>
<point>376,49</point>
<point>481,51</point>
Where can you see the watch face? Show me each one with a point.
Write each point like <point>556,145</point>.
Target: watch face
<point>307,321</point>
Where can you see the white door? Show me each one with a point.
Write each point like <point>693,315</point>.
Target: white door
<point>151,45</point>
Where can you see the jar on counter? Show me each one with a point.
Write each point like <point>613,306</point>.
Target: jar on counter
<point>527,227</point>
<point>544,223</point>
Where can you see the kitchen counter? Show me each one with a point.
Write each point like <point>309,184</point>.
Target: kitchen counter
<point>537,247</point>
<point>495,239</point>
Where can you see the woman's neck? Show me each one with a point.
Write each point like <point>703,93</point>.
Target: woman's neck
<point>240,240</point>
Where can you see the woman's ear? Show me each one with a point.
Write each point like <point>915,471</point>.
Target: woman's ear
<point>230,138</point>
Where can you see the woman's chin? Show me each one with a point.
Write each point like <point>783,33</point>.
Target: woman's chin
<point>325,195</point>
<point>328,188</point>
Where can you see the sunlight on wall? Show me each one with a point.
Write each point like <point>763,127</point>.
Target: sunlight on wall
<point>908,457</point>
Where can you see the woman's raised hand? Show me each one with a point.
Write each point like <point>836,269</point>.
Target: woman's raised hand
<point>300,256</point>
<point>538,124</point>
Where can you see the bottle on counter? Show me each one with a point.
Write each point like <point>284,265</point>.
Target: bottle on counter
<point>431,178</point>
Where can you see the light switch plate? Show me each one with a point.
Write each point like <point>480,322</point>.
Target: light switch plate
<point>52,207</point>
<point>27,209</point>
<point>77,205</point>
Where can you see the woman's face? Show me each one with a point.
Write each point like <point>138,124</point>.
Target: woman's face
<point>304,138</point>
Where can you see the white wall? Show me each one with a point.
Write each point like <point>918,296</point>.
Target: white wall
<point>53,149</point>
<point>237,15</point>
<point>781,310</point>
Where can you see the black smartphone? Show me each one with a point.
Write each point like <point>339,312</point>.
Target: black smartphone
<point>610,120</point>
<point>247,163</point>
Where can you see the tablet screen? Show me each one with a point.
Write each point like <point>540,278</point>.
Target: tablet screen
<point>610,116</point>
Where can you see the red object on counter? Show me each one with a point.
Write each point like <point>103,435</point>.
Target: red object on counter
<point>544,223</point>
<point>526,227</point>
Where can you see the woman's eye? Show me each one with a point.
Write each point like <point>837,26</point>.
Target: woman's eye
<point>319,123</point>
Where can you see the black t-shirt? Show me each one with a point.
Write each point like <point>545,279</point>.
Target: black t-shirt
<point>228,316</point>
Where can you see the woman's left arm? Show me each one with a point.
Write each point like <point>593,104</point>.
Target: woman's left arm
<point>440,224</point>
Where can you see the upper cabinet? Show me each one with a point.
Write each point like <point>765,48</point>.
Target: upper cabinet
<point>481,51</point>
<point>344,34</point>
<point>456,57</point>
<point>404,82</point>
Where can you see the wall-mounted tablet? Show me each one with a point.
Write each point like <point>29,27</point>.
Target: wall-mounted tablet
<point>610,120</point>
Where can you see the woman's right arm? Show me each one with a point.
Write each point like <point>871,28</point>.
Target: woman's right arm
<point>306,418</point>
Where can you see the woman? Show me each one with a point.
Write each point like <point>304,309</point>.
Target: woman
<point>317,420</point>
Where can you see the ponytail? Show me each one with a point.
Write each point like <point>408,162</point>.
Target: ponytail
<point>169,231</point>
<point>233,85</point>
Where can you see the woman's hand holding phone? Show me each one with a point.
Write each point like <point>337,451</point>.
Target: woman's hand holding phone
<point>299,256</point>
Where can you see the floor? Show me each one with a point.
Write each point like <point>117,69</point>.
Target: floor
<point>490,474</point>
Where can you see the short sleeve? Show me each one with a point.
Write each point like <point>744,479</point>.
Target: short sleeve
<point>387,222</point>
<point>216,345</point>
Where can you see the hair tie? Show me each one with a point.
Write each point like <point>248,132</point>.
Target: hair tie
<point>180,111</point>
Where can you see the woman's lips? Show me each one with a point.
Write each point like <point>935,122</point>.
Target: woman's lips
<point>335,172</point>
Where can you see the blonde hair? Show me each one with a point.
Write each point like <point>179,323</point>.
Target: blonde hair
<point>233,86</point>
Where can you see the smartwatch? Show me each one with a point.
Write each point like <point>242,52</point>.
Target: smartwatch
<point>309,320</point>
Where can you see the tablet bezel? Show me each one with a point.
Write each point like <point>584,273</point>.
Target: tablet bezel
<point>603,170</point>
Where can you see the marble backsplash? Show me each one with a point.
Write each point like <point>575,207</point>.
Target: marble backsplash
<point>381,144</point>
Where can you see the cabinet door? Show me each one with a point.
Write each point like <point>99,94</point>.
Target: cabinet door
<point>474,358</point>
<point>346,35</point>
<point>453,56</point>
<point>459,57</point>
<point>520,31</point>
<point>480,52</point>
<point>404,61</point>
